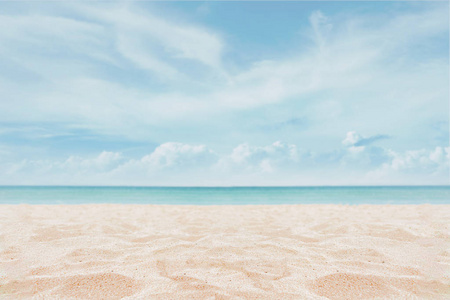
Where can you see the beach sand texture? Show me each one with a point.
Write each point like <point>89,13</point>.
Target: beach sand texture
<point>108,251</point>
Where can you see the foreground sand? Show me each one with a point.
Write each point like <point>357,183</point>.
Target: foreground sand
<point>224,252</point>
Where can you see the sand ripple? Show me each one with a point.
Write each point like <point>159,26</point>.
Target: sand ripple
<point>226,252</point>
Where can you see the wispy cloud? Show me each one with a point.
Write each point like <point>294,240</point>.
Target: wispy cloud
<point>142,75</point>
<point>356,140</point>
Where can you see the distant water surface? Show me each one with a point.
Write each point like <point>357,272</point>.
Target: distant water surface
<point>225,195</point>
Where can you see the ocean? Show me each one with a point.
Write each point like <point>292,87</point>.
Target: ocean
<point>225,195</point>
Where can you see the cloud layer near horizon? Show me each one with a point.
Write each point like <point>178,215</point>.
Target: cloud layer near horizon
<point>177,164</point>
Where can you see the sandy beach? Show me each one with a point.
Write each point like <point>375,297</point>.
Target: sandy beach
<point>108,251</point>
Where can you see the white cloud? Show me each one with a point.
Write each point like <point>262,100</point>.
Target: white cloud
<point>30,38</point>
<point>423,160</point>
<point>179,155</point>
<point>321,27</point>
<point>356,141</point>
<point>105,161</point>
<point>351,139</point>
<point>414,167</point>
<point>152,42</point>
<point>256,159</point>
<point>128,45</point>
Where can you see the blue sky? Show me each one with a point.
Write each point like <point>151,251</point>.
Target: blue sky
<point>224,93</point>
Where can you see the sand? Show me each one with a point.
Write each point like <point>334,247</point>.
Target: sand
<point>224,252</point>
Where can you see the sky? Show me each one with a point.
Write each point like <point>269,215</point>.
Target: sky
<point>224,93</point>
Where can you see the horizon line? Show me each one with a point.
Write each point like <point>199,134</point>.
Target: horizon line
<point>221,186</point>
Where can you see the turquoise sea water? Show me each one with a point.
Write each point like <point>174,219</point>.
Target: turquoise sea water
<point>225,195</point>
